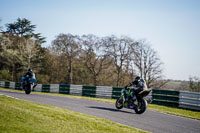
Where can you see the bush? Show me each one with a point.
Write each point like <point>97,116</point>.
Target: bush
<point>5,75</point>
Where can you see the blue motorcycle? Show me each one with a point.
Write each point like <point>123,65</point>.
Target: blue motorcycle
<point>27,83</point>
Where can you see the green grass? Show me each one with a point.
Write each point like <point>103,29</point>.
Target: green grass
<point>174,82</point>
<point>175,111</point>
<point>159,108</point>
<point>19,116</point>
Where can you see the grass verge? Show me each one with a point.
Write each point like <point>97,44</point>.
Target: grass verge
<point>174,82</point>
<point>27,117</point>
<point>159,108</point>
<point>175,111</point>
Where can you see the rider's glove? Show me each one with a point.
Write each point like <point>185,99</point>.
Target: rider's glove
<point>130,84</point>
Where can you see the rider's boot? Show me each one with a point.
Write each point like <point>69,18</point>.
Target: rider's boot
<point>126,102</point>
<point>34,85</point>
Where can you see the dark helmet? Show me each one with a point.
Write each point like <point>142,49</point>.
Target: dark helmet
<point>29,70</point>
<point>137,78</point>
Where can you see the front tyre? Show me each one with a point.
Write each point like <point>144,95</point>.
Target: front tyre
<point>119,103</point>
<point>28,89</point>
<point>142,106</point>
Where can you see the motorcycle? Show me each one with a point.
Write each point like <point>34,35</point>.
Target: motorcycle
<point>137,103</point>
<point>27,84</point>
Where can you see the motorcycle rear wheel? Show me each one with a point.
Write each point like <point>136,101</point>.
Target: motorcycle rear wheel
<point>142,106</point>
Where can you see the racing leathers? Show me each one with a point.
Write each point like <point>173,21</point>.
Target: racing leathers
<point>30,75</point>
<point>138,86</point>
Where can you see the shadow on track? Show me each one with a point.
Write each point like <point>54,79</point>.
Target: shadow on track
<point>110,109</point>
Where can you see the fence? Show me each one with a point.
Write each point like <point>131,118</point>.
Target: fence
<point>187,100</point>
<point>165,97</point>
<point>79,90</point>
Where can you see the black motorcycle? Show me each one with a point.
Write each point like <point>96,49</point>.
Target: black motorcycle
<point>137,103</point>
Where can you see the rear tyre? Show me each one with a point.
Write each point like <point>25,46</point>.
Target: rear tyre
<point>28,89</point>
<point>142,105</point>
<point>119,103</point>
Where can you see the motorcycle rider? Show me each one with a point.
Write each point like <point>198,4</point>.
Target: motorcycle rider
<point>29,74</point>
<point>139,84</point>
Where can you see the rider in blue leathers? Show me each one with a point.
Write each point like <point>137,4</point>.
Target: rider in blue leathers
<point>30,75</point>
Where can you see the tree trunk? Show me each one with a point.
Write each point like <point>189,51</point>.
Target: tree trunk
<point>95,80</point>
<point>70,76</point>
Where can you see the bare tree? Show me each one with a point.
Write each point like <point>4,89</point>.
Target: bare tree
<point>31,52</point>
<point>68,45</point>
<point>147,63</point>
<point>57,64</point>
<point>119,49</point>
<point>95,58</point>
<point>194,84</point>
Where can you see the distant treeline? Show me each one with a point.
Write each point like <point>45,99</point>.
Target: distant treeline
<point>73,59</point>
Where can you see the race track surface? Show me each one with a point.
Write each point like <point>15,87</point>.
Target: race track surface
<point>149,121</point>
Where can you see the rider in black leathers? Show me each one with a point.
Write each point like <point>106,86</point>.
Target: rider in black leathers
<point>139,85</point>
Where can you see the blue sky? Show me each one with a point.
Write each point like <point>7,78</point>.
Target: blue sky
<point>172,27</point>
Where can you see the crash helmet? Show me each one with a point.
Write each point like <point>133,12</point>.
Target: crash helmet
<point>137,78</point>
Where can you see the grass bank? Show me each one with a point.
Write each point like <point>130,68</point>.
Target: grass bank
<point>174,82</point>
<point>159,108</point>
<point>175,111</point>
<point>19,116</point>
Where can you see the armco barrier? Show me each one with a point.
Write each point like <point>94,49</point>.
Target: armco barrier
<point>64,89</point>
<point>89,91</point>
<point>116,92</point>
<point>75,90</point>
<point>54,88</point>
<point>189,100</point>
<point>104,92</point>
<point>12,85</point>
<point>2,84</point>
<point>18,86</point>
<point>45,88</point>
<point>182,99</point>
<point>165,97</point>
<point>38,88</point>
<point>7,85</point>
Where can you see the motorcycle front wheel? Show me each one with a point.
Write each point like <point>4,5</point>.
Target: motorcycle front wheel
<point>28,89</point>
<point>119,103</point>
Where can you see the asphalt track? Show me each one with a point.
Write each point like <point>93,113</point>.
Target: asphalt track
<point>149,121</point>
